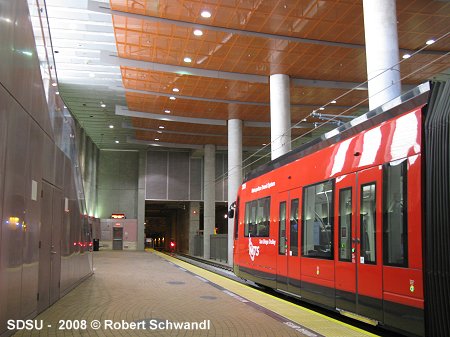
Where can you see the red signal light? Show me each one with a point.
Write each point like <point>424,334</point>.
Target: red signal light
<point>172,244</point>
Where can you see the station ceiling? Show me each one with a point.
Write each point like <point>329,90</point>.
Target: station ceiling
<point>166,74</point>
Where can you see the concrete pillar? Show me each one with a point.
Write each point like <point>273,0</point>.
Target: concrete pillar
<point>280,115</point>
<point>209,197</point>
<point>194,224</point>
<point>234,174</point>
<point>380,29</point>
<point>141,201</point>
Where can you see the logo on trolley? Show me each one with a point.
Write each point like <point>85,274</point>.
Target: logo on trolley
<point>252,250</point>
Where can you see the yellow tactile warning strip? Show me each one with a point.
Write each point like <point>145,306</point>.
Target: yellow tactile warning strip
<point>317,322</point>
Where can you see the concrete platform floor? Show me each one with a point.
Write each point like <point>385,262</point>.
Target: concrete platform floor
<point>131,287</point>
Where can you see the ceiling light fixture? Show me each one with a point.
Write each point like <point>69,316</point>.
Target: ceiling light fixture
<point>406,56</point>
<point>205,14</point>
<point>333,102</point>
<point>187,60</point>
<point>159,131</point>
<point>57,92</point>
<point>111,126</point>
<point>198,32</point>
<point>431,41</point>
<point>321,108</point>
<point>103,105</point>
<point>167,111</point>
<point>175,90</point>
<point>156,139</point>
<point>117,142</point>
<point>161,127</point>
<point>172,98</point>
<point>54,84</point>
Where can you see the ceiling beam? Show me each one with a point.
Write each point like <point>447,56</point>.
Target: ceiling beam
<point>124,111</point>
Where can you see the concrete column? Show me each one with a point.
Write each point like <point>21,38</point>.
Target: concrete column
<point>280,115</point>
<point>234,174</point>
<point>194,224</point>
<point>380,29</point>
<point>141,201</point>
<point>209,197</point>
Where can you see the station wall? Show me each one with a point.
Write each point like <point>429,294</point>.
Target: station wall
<point>44,231</point>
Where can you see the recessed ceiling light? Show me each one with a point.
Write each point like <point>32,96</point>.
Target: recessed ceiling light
<point>187,60</point>
<point>431,41</point>
<point>117,142</point>
<point>57,92</point>
<point>172,98</point>
<point>161,127</point>
<point>103,105</point>
<point>111,126</point>
<point>54,84</point>
<point>156,139</point>
<point>167,111</point>
<point>175,90</point>
<point>159,131</point>
<point>205,14</point>
<point>65,107</point>
<point>198,32</point>
<point>321,108</point>
<point>406,56</point>
<point>333,102</point>
<point>264,144</point>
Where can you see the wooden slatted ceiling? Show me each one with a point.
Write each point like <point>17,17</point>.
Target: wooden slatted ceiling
<point>170,44</point>
<point>304,18</point>
<point>328,20</point>
<point>215,88</point>
<point>219,50</point>
<point>195,86</point>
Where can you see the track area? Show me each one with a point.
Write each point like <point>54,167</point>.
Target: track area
<point>307,319</point>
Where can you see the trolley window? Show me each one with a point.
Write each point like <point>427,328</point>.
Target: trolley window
<point>236,220</point>
<point>293,235</point>
<point>317,238</point>
<point>345,224</point>
<point>368,223</point>
<point>282,229</point>
<point>395,223</point>
<point>257,218</point>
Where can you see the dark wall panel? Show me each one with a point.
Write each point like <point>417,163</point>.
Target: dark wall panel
<point>156,175</point>
<point>196,179</point>
<point>178,176</point>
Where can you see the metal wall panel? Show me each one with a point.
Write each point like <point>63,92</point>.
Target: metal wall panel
<point>178,188</point>
<point>156,175</point>
<point>30,270</point>
<point>11,246</point>
<point>196,179</point>
<point>27,156</point>
<point>49,162</point>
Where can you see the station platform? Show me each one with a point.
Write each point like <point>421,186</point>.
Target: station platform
<point>154,294</point>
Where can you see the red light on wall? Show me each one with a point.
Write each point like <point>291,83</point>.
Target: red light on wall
<point>172,244</point>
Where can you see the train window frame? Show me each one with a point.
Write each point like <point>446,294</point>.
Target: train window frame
<point>348,231</point>
<point>390,203</point>
<point>236,220</point>
<point>292,236</point>
<point>282,244</point>
<point>361,223</point>
<point>260,228</point>
<point>315,253</point>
